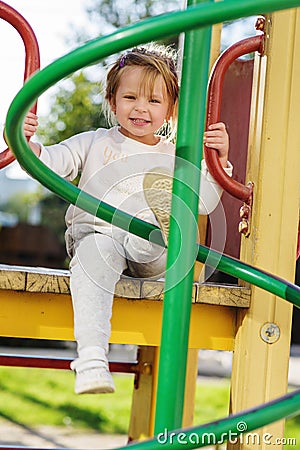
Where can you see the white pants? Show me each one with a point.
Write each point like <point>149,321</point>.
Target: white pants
<point>96,267</point>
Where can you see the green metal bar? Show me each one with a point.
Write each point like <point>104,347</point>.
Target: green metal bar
<point>225,429</point>
<point>183,230</point>
<point>251,274</point>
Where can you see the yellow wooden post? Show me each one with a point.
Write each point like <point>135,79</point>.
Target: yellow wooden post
<point>190,388</point>
<point>261,355</point>
<point>144,394</point>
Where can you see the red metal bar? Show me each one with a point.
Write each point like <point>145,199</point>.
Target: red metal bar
<point>214,101</point>
<point>59,363</point>
<point>32,58</point>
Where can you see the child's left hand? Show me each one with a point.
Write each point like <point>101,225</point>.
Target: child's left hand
<point>217,137</point>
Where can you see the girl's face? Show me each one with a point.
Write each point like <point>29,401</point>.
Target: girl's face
<point>140,114</point>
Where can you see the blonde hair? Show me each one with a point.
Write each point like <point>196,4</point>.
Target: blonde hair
<point>155,60</point>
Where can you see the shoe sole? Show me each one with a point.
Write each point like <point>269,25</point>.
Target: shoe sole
<point>158,193</point>
<point>95,389</point>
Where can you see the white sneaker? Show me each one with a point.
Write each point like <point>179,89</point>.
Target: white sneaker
<point>97,380</point>
<point>158,193</point>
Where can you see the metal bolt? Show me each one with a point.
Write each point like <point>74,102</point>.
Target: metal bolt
<point>147,369</point>
<point>270,332</point>
<point>245,211</point>
<point>244,227</point>
<point>260,23</point>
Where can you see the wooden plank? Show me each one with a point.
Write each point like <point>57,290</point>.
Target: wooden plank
<point>12,279</point>
<point>50,283</point>
<point>225,295</point>
<point>54,281</point>
<point>128,288</point>
<point>154,290</point>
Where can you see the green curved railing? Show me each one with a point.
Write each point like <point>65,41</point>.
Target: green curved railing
<point>195,21</point>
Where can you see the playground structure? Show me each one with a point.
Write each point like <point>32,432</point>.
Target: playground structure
<point>253,323</point>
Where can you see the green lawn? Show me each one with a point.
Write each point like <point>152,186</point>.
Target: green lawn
<point>45,397</point>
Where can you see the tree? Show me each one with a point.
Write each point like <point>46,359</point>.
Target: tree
<point>23,204</point>
<point>76,108</point>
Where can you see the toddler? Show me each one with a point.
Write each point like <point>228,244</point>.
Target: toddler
<point>119,166</point>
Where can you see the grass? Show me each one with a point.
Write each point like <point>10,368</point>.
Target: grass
<point>45,397</point>
<point>36,397</point>
<point>212,400</point>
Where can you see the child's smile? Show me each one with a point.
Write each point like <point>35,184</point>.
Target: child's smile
<point>139,122</point>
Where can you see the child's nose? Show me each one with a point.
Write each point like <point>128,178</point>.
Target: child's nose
<point>141,105</point>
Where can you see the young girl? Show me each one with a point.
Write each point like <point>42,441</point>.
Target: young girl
<point>142,93</point>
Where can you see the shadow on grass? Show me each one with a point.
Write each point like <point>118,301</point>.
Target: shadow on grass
<point>80,416</point>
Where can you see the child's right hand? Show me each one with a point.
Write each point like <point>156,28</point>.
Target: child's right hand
<point>30,127</point>
<point>30,124</point>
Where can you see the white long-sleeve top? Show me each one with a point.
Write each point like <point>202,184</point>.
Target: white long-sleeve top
<point>112,168</point>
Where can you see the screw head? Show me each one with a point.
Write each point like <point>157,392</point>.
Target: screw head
<point>270,332</point>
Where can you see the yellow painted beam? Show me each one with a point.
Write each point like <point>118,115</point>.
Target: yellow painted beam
<point>50,316</point>
<point>36,315</point>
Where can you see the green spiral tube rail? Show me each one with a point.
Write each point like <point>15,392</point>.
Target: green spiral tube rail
<point>195,21</point>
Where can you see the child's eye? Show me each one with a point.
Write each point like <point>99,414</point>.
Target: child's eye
<point>129,97</point>
<point>154,100</point>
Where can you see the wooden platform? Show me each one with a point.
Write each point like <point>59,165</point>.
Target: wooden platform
<point>36,303</point>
